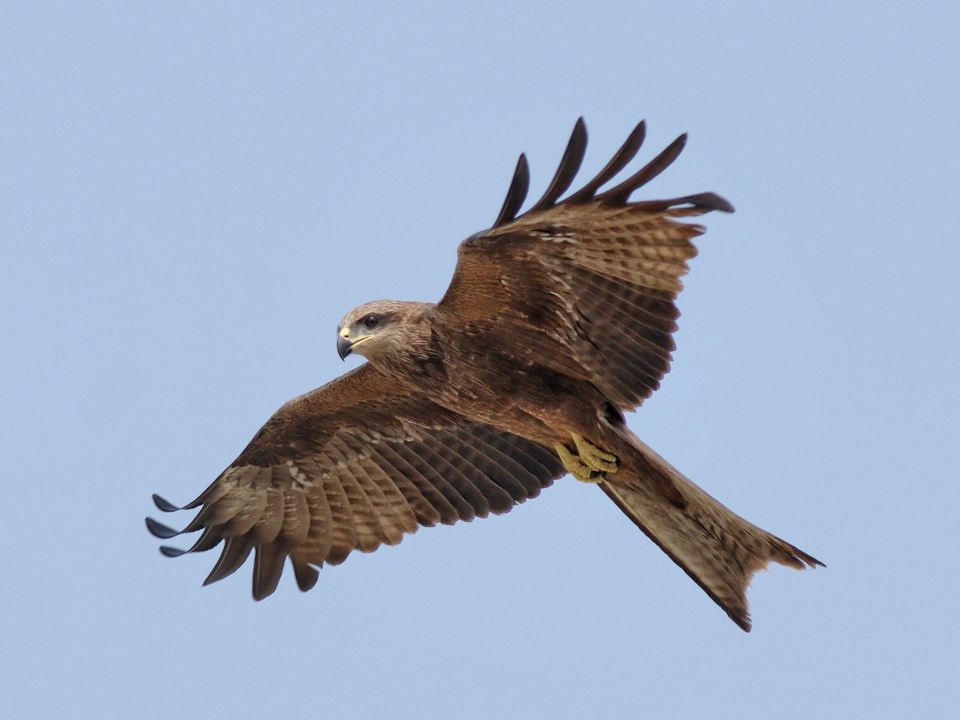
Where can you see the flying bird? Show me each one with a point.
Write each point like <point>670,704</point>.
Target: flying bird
<point>557,321</point>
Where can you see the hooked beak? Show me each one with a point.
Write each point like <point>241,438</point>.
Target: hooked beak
<point>344,347</point>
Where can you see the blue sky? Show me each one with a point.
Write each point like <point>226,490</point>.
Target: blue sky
<point>194,194</point>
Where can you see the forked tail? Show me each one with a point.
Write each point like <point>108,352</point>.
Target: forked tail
<point>717,548</point>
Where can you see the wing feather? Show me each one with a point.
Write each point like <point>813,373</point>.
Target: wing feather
<point>462,510</point>
<point>567,170</point>
<point>517,192</point>
<point>453,469</point>
<point>488,459</point>
<point>271,518</point>
<point>320,537</point>
<point>429,504</point>
<point>306,575</point>
<point>267,568</point>
<point>343,531</point>
<point>618,162</point>
<point>354,465</point>
<point>589,282</point>
<point>620,193</point>
<point>364,518</point>
<point>235,552</point>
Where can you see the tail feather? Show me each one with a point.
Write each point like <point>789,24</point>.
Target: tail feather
<point>717,548</point>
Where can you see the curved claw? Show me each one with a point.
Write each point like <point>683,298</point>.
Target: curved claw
<point>165,505</point>
<point>168,551</point>
<point>160,530</point>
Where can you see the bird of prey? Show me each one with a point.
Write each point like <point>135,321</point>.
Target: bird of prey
<point>556,322</point>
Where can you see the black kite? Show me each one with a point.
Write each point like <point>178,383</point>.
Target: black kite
<point>556,322</point>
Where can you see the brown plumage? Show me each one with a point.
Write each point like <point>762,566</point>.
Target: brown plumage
<point>555,323</point>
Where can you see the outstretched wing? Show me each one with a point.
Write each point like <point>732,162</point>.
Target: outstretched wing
<point>353,465</point>
<point>589,281</point>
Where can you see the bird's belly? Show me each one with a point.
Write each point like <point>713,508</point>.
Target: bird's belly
<point>530,402</point>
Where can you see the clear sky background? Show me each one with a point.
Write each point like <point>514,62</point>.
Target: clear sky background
<point>193,194</point>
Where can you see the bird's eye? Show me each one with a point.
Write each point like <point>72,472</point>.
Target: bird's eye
<point>371,321</point>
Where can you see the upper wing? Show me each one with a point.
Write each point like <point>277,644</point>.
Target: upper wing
<point>355,464</point>
<point>589,281</point>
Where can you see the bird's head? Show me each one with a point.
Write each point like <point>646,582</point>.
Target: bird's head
<point>378,327</point>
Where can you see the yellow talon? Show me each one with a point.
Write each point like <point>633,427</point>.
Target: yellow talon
<point>593,457</point>
<point>576,467</point>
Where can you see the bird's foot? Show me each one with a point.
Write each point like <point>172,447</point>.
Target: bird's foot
<point>589,463</point>
<point>576,467</point>
<point>595,458</point>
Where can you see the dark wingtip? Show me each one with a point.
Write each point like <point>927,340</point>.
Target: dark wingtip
<point>235,552</point>
<point>743,622</point>
<point>621,193</point>
<point>619,161</point>
<point>567,169</point>
<point>268,566</point>
<point>262,593</point>
<point>172,552</point>
<point>159,530</point>
<point>516,193</point>
<point>306,575</point>
<point>712,201</point>
<point>164,505</point>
